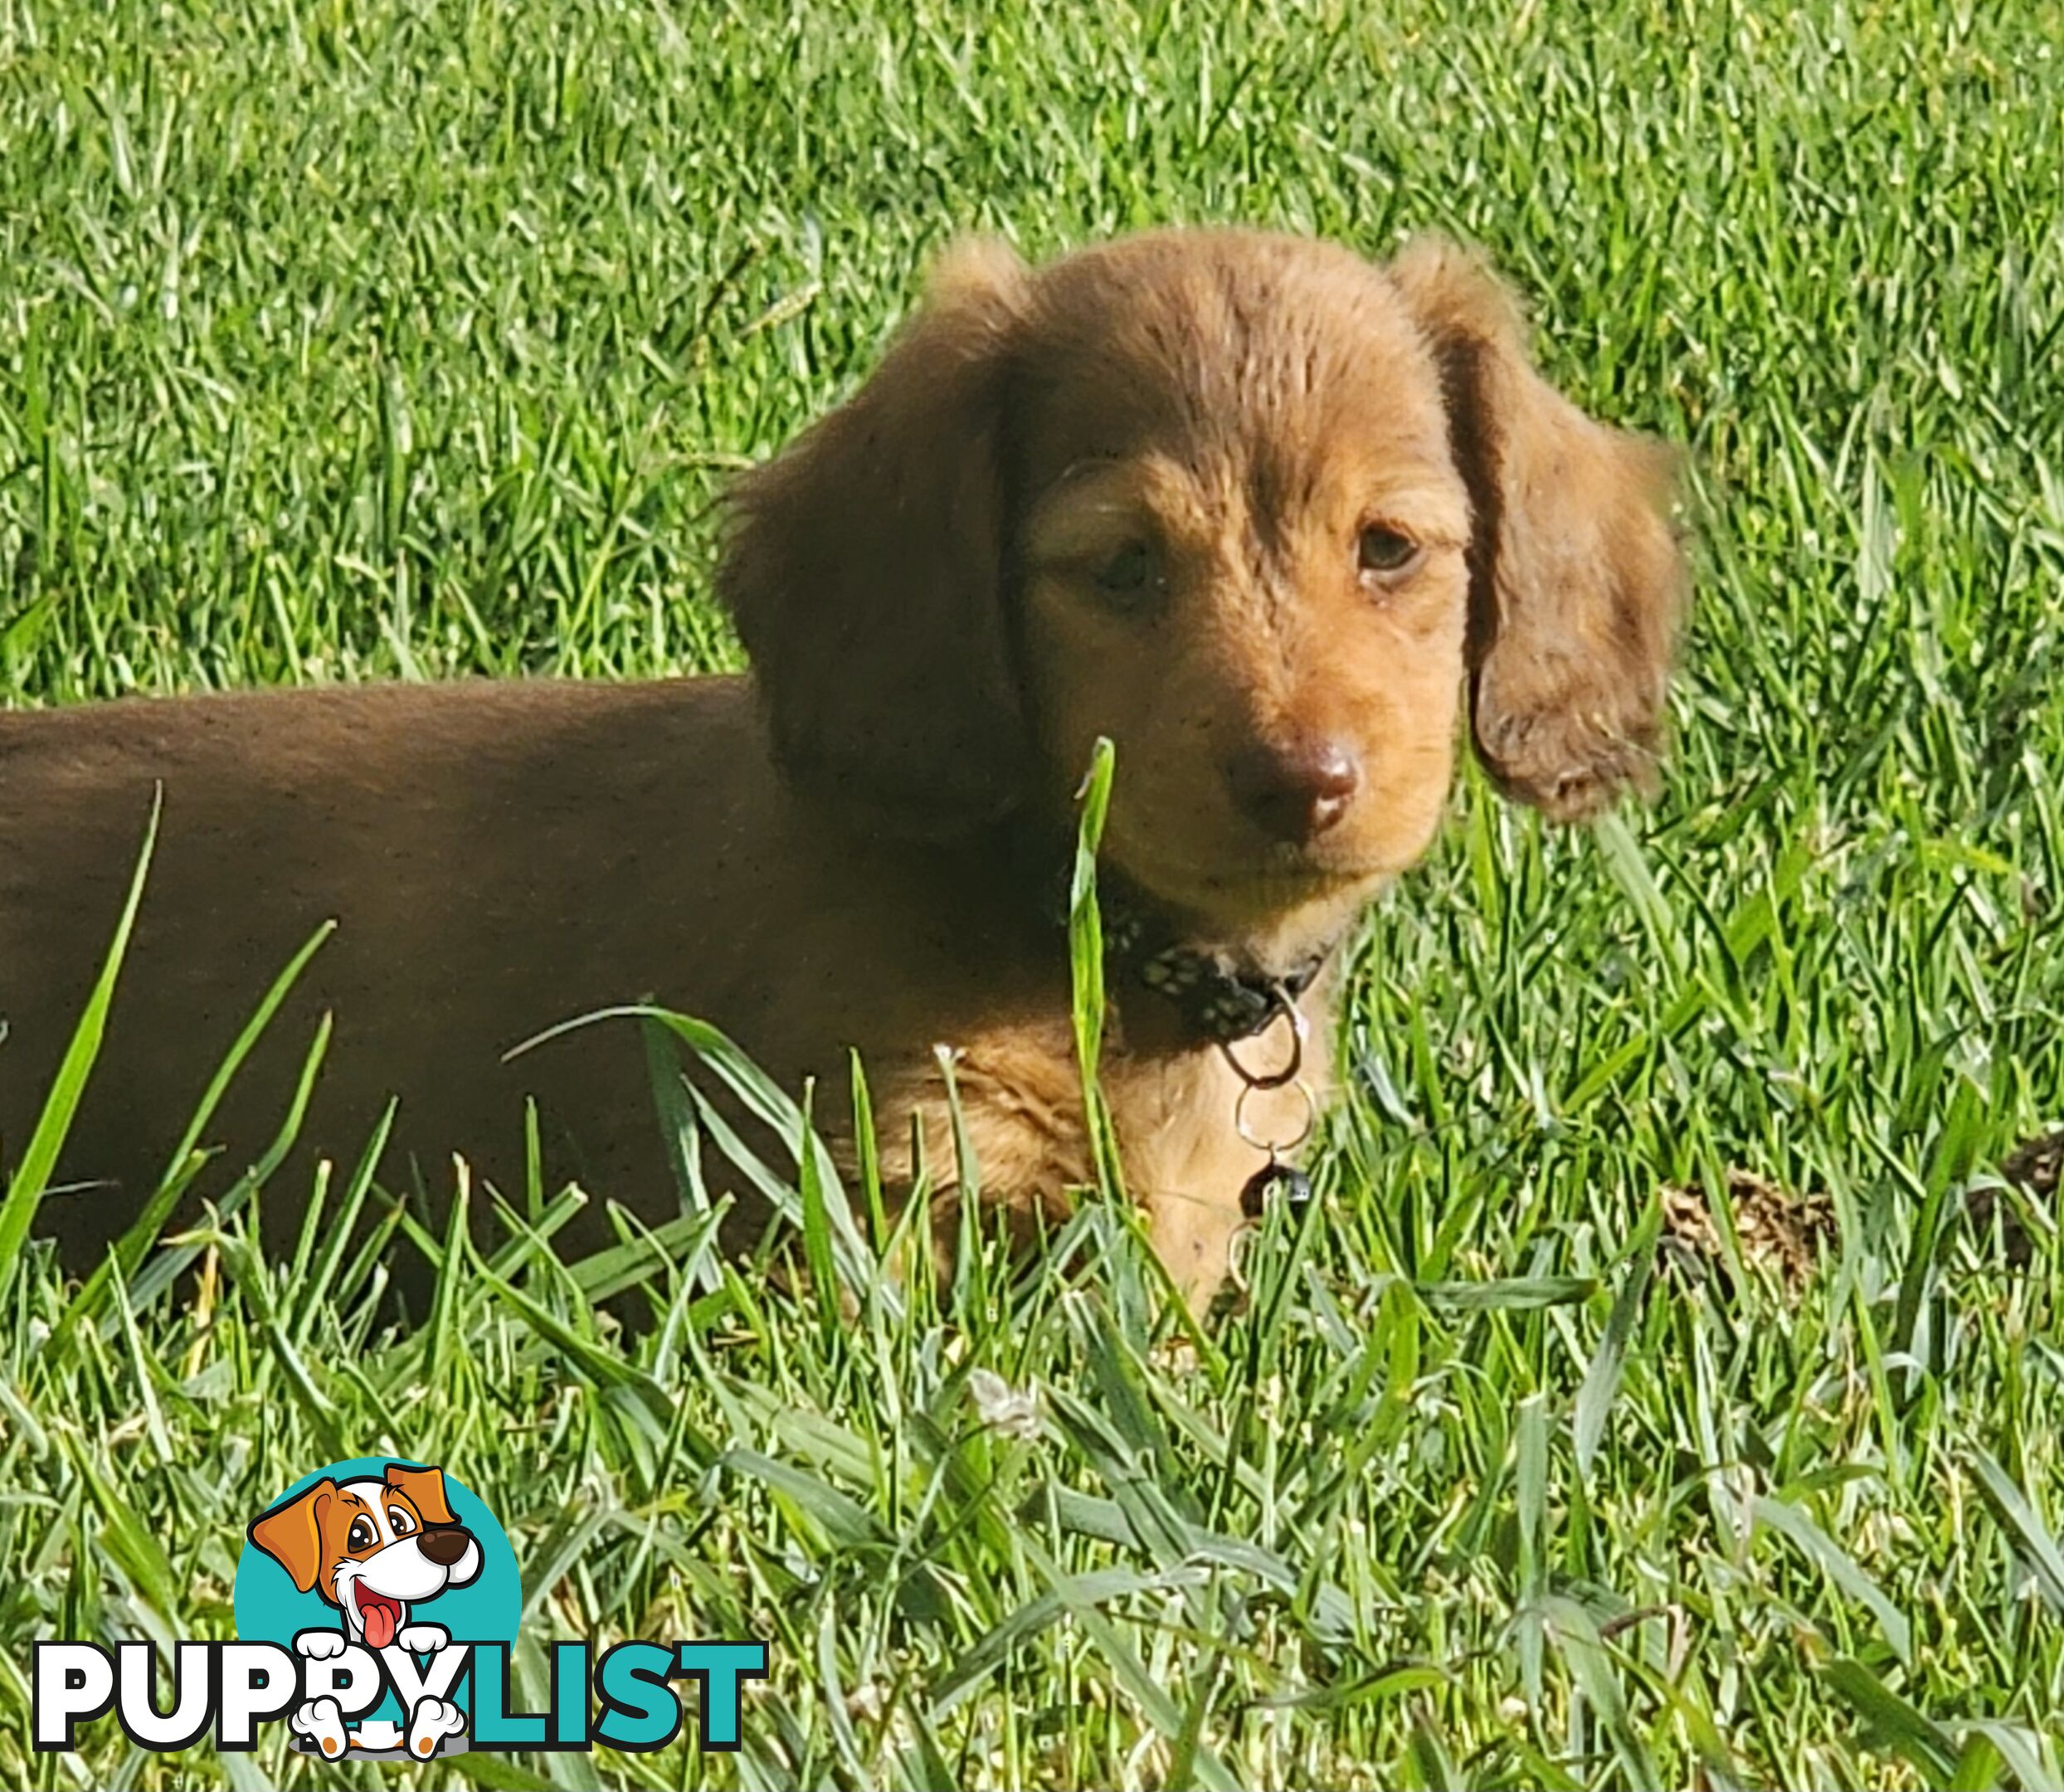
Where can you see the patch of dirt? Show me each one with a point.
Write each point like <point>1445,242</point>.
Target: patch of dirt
<point>1788,1234</point>
<point>1782,1233</point>
<point>2033,1170</point>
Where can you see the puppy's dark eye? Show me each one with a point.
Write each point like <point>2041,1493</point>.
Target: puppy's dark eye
<point>1130,578</point>
<point>361,1534</point>
<point>1384,549</point>
<point>403,1523</point>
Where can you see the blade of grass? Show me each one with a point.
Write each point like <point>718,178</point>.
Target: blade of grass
<point>32,1176</point>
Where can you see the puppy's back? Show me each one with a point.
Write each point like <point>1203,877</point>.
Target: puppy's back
<point>496,857</point>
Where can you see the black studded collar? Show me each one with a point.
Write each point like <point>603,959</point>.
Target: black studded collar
<point>1220,1000</point>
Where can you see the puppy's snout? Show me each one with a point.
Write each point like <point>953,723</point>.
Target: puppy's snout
<point>1294,791</point>
<point>446,1544</point>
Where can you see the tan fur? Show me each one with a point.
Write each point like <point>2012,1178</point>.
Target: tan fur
<point>1577,574</point>
<point>815,861</point>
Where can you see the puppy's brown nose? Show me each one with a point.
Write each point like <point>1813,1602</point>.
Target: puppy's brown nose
<point>1296,789</point>
<point>444,1544</point>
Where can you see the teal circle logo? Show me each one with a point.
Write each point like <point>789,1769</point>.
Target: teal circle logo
<point>379,1556</point>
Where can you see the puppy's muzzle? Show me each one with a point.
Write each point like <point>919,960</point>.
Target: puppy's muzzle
<point>1294,791</point>
<point>445,1545</point>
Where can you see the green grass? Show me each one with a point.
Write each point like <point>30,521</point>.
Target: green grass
<point>376,337</point>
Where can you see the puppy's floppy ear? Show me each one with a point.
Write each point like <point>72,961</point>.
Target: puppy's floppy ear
<point>426,1491</point>
<point>1577,576</point>
<point>292,1534</point>
<point>864,568</point>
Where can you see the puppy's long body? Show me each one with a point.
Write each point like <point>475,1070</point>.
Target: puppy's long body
<point>1260,511</point>
<point>501,857</point>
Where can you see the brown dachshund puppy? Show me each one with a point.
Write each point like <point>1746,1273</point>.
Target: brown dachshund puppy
<point>1261,511</point>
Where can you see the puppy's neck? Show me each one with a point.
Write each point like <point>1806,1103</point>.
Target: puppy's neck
<point>1214,983</point>
<point>1276,944</point>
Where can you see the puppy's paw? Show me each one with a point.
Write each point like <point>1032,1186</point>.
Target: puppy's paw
<point>323,1723</point>
<point>430,1723</point>
<point>319,1645</point>
<point>423,1638</point>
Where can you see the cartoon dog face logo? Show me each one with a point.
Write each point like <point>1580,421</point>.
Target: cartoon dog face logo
<point>371,1548</point>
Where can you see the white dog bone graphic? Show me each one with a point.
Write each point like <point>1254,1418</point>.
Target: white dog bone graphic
<point>430,1723</point>
<point>323,1723</point>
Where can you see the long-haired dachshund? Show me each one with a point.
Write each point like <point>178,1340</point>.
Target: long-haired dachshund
<point>1264,512</point>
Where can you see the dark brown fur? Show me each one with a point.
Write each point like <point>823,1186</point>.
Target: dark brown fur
<point>812,860</point>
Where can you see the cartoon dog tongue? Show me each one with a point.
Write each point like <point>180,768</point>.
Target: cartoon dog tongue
<point>381,1615</point>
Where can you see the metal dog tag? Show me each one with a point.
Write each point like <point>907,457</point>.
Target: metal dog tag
<point>1274,1181</point>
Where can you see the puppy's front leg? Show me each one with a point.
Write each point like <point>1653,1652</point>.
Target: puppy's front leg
<point>1021,1141</point>
<point>1193,1136</point>
<point>1193,1234</point>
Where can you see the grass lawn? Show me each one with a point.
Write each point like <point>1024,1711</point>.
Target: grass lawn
<point>386,337</point>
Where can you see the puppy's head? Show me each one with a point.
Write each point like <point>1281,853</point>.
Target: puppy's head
<point>1261,511</point>
<point>371,1546</point>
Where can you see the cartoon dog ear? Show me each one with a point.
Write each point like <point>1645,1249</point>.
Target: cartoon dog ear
<point>425,1488</point>
<point>864,568</point>
<point>1576,574</point>
<point>292,1534</point>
